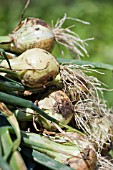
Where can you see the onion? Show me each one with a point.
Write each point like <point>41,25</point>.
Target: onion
<point>79,154</point>
<point>36,33</point>
<point>58,105</point>
<point>30,33</point>
<point>35,67</point>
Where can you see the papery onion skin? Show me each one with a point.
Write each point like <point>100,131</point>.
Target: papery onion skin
<point>84,161</point>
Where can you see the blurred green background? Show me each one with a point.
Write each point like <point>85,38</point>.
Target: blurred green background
<point>98,12</point>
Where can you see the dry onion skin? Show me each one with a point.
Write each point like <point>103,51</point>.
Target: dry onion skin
<point>36,33</point>
<point>84,161</point>
<point>35,67</point>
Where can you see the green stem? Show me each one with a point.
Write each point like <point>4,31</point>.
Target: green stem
<point>5,42</point>
<point>90,64</point>
<point>40,142</point>
<point>13,73</point>
<point>42,158</point>
<point>7,84</point>
<point>4,164</point>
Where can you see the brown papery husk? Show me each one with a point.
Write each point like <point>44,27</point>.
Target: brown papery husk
<point>84,161</point>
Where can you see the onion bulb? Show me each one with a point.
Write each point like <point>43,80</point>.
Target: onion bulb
<point>34,67</point>
<point>36,33</point>
<point>30,33</point>
<point>58,105</point>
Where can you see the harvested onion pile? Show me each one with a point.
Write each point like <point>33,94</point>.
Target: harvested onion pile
<point>56,111</point>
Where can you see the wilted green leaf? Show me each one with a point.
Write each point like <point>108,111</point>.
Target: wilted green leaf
<point>48,162</point>
<point>16,162</point>
<point>14,123</point>
<point>44,160</point>
<point>3,164</point>
<point>12,157</point>
<point>6,142</point>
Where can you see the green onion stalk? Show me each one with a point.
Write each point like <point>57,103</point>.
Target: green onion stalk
<point>35,68</point>
<point>7,84</point>
<point>24,114</point>
<point>36,33</point>
<point>71,149</point>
